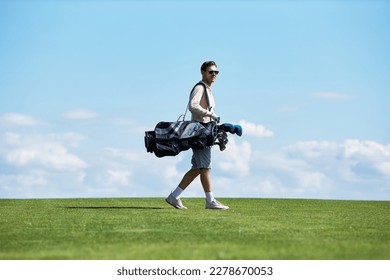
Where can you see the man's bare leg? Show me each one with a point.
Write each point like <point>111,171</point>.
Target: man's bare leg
<point>205,180</point>
<point>188,178</point>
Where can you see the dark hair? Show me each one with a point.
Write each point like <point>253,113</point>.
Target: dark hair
<point>207,64</point>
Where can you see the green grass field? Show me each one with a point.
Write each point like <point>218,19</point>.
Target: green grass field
<point>148,228</point>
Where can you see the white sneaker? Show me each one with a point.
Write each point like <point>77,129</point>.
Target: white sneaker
<point>175,202</point>
<point>215,204</point>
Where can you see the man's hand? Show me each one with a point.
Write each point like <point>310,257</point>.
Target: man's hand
<point>215,118</point>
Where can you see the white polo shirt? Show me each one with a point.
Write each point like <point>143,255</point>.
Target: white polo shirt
<point>198,104</point>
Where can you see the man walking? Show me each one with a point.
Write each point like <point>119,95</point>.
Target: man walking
<point>202,107</point>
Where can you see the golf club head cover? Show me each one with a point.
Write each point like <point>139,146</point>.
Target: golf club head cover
<point>227,127</point>
<point>233,129</point>
<point>237,129</point>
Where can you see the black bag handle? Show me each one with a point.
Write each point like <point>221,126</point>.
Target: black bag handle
<point>207,99</point>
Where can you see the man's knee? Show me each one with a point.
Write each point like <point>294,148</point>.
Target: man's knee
<point>204,171</point>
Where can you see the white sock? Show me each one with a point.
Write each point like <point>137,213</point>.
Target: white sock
<point>177,192</point>
<point>209,197</point>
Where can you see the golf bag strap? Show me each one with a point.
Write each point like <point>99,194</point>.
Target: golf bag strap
<point>206,94</point>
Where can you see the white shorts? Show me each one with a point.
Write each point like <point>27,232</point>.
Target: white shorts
<point>201,158</point>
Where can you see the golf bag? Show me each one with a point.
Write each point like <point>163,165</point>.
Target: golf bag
<point>171,138</point>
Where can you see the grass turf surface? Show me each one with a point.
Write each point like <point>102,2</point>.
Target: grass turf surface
<point>148,228</point>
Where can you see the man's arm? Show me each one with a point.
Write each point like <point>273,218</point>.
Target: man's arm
<point>198,104</point>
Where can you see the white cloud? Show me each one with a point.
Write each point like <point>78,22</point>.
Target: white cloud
<point>23,185</point>
<point>353,159</point>
<point>384,167</point>
<point>30,179</point>
<point>314,149</point>
<point>367,157</point>
<point>41,183</point>
<point>45,150</point>
<point>135,172</point>
<point>16,119</point>
<point>354,148</point>
<point>295,173</point>
<point>352,169</point>
<point>118,177</point>
<point>257,130</point>
<point>80,114</point>
<point>271,174</point>
<point>47,165</point>
<point>235,159</point>
<point>41,165</point>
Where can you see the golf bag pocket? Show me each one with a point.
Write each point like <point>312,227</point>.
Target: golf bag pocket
<point>168,148</point>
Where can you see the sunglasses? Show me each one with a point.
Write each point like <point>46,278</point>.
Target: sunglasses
<point>213,72</point>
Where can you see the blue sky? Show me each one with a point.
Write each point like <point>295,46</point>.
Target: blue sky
<point>80,82</point>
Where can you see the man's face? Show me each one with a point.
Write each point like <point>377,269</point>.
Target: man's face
<point>210,74</point>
